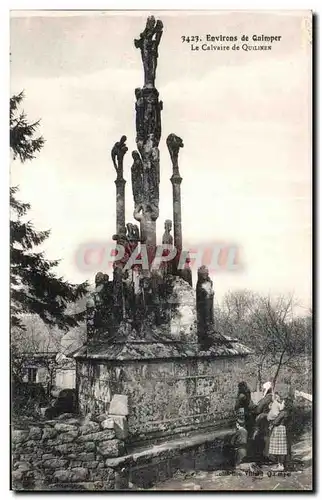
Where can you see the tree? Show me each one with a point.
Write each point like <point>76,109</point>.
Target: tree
<point>269,326</point>
<point>35,288</point>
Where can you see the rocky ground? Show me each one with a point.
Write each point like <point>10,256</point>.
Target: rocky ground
<point>299,477</point>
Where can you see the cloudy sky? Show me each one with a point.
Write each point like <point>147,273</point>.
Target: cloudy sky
<point>244,118</point>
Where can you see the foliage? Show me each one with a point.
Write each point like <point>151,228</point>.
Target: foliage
<point>35,288</point>
<point>269,326</point>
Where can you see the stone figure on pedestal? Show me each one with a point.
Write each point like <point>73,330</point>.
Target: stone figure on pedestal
<point>167,238</point>
<point>174,144</point>
<point>118,151</point>
<point>137,184</point>
<point>148,44</point>
<point>205,308</point>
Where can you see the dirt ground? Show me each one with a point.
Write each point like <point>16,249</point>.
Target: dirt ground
<point>298,477</point>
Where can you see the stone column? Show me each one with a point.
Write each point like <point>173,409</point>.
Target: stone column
<point>146,160</point>
<point>174,143</point>
<point>120,205</point>
<point>177,229</point>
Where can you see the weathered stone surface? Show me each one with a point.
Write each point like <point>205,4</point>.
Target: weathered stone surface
<point>16,476</point>
<point>89,446</point>
<point>79,474</point>
<point>64,448</point>
<point>19,436</point>
<point>106,474</point>
<point>19,463</point>
<point>120,426</point>
<point>89,427</point>
<point>60,427</point>
<point>108,423</point>
<point>35,433</point>
<point>102,417</point>
<point>24,466</point>
<point>90,465</point>
<point>49,433</point>
<point>111,448</point>
<point>75,463</point>
<point>97,436</point>
<point>67,437</point>
<point>63,476</point>
<point>119,405</point>
<point>55,463</point>
<point>65,416</point>
<point>48,456</point>
<point>30,444</point>
<point>86,456</point>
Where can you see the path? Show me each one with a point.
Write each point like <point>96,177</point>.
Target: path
<point>298,479</point>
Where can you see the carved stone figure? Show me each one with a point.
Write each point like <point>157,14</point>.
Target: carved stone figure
<point>133,236</point>
<point>118,151</point>
<point>205,307</point>
<point>152,116</point>
<point>167,238</point>
<point>137,180</point>
<point>102,301</point>
<point>148,44</point>
<point>140,112</point>
<point>174,143</point>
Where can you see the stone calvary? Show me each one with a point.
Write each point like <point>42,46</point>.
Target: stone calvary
<point>151,338</point>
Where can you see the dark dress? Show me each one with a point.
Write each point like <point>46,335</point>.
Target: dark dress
<point>261,433</point>
<point>244,405</point>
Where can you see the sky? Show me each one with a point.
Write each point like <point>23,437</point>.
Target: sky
<point>244,117</point>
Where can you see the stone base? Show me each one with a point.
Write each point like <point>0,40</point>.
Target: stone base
<point>145,467</point>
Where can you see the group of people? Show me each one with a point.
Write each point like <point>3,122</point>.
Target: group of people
<point>263,430</point>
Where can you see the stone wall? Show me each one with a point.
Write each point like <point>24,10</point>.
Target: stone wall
<point>166,397</point>
<point>66,453</point>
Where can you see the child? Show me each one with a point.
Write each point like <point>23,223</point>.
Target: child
<point>239,442</point>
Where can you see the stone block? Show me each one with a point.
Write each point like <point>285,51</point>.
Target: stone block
<point>97,436</point>
<point>16,476</point>
<point>120,426</point>
<point>102,474</point>
<point>89,446</point>
<point>65,416</point>
<point>102,417</point>
<point>65,448</point>
<point>79,474</point>
<point>55,463</point>
<point>75,463</point>
<point>48,456</point>
<point>111,448</point>
<point>89,427</point>
<point>24,466</point>
<point>119,405</point>
<point>35,433</point>
<point>63,476</point>
<point>86,456</point>
<point>90,465</point>
<point>19,436</point>
<point>108,423</point>
<point>67,437</point>
<point>60,427</point>
<point>49,433</point>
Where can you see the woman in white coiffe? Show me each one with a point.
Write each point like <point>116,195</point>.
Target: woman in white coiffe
<point>278,419</point>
